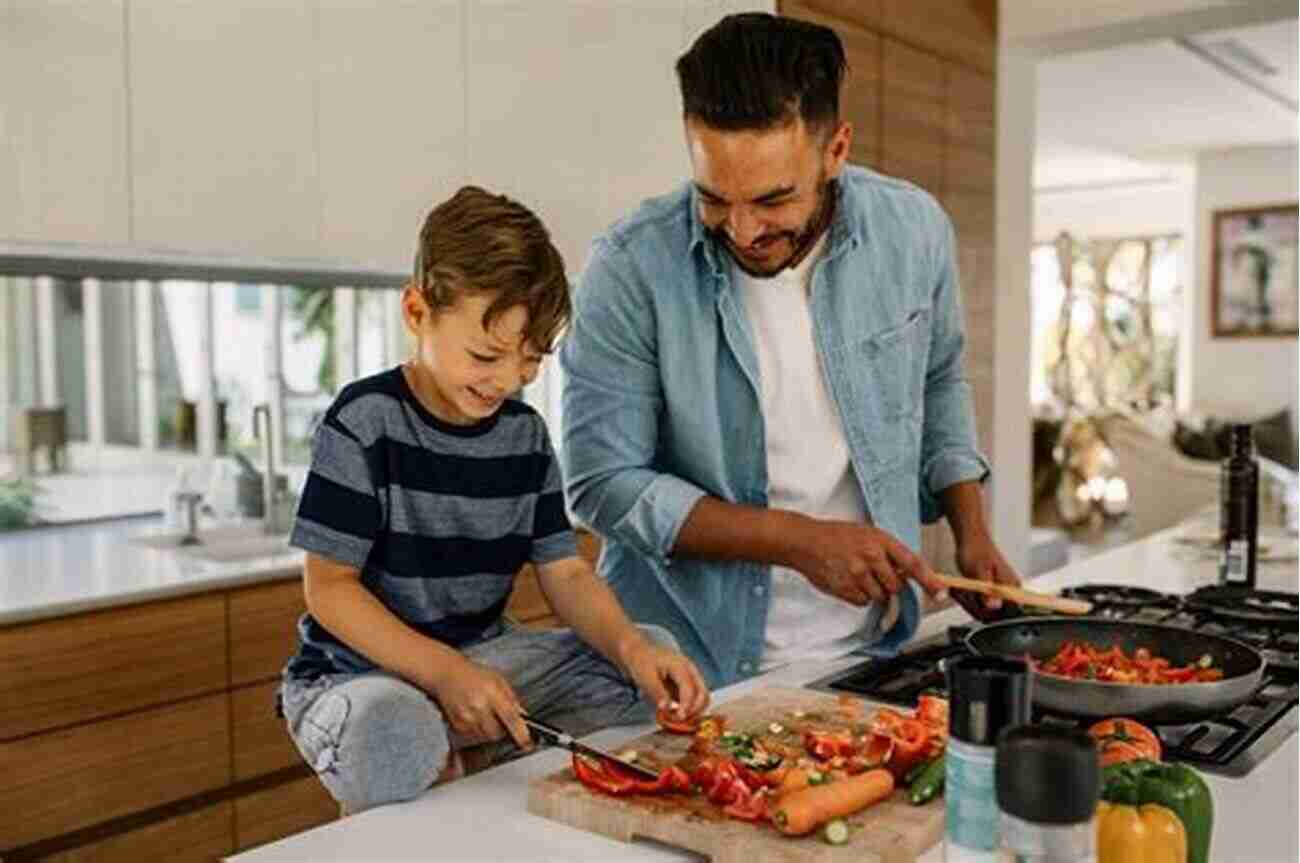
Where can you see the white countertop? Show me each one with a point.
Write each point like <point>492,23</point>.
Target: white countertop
<point>56,571</point>
<point>484,817</point>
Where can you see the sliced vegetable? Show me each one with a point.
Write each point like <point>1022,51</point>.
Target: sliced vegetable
<point>1139,834</point>
<point>670,722</point>
<point>929,783</point>
<point>749,806</point>
<point>829,744</point>
<point>801,812</point>
<point>1120,740</point>
<point>608,778</point>
<point>835,831</point>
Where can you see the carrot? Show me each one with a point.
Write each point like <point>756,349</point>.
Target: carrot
<point>794,779</point>
<point>802,811</point>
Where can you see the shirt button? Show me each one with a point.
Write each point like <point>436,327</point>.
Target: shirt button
<point>746,666</point>
<point>759,590</point>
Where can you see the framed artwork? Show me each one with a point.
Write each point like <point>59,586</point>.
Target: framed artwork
<point>1253,289</point>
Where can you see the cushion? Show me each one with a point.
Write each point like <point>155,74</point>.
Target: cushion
<point>1211,438</point>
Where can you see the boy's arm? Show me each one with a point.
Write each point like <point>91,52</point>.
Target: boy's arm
<point>477,701</point>
<point>586,604</point>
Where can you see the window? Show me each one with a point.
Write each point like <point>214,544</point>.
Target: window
<point>1106,316</point>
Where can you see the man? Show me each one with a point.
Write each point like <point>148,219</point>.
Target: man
<point>764,394</point>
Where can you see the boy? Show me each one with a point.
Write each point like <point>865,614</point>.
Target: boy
<point>429,488</point>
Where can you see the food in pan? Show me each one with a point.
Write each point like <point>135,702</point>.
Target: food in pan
<point>1079,660</point>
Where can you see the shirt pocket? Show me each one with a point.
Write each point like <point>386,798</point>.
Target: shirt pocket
<point>885,373</point>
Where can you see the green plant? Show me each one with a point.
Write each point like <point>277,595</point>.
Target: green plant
<point>18,502</point>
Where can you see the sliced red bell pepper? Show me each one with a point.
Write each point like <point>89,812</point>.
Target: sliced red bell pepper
<point>610,778</point>
<point>826,745</point>
<point>749,807</point>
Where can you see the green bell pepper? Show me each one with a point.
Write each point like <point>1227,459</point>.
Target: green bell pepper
<point>1174,786</point>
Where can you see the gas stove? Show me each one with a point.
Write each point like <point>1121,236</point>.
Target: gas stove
<point>1230,744</point>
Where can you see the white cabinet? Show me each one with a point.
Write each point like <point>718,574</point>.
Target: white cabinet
<point>223,118</point>
<point>63,173</point>
<point>392,123</point>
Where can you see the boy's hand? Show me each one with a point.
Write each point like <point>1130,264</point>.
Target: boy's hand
<point>480,705</point>
<point>667,678</point>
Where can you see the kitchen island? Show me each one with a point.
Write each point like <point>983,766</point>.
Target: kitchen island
<point>484,817</point>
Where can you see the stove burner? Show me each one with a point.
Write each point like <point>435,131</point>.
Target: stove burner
<point>1115,595</point>
<point>1245,605</point>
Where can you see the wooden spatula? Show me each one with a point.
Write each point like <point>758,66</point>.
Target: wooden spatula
<point>1016,594</point>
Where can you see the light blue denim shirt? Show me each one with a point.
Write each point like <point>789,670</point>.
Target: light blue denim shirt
<point>661,401</point>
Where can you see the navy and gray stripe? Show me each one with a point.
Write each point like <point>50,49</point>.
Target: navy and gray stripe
<point>438,518</point>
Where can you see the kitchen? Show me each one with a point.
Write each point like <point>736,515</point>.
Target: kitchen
<point>935,124</point>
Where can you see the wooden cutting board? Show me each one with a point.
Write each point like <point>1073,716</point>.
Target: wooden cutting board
<point>893,831</point>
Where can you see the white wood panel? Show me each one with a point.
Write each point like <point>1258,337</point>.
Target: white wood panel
<point>392,123</point>
<point>224,126</point>
<point>573,109</point>
<point>62,117</point>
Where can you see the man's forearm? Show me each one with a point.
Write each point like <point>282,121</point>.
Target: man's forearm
<point>718,530</point>
<point>963,503</point>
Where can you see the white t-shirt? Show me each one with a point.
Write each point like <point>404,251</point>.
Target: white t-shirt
<point>808,467</point>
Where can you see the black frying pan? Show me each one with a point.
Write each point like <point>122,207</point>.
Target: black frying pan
<point>1042,637</point>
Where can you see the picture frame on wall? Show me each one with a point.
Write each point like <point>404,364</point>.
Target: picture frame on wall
<point>1253,288</point>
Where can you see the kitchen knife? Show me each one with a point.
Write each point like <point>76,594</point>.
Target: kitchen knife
<point>553,736</point>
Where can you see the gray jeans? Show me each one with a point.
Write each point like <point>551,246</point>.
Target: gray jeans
<point>374,738</point>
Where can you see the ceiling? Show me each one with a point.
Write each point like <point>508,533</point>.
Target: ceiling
<point>1127,115</point>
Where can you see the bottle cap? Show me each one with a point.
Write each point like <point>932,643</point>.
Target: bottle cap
<point>986,694</point>
<point>1047,775</point>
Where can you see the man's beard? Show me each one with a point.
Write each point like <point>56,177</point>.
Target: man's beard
<point>801,240</point>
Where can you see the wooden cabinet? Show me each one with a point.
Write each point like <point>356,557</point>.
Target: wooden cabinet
<point>104,663</point>
<point>65,780</point>
<point>196,837</point>
<point>133,729</point>
<point>263,629</point>
<point>284,810</point>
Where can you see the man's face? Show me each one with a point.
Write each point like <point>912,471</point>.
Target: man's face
<point>761,192</point>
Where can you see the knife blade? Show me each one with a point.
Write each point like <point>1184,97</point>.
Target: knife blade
<point>553,736</point>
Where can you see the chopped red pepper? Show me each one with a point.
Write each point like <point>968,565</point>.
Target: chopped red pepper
<point>826,745</point>
<point>610,778</point>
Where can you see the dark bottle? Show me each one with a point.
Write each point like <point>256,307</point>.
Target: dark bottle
<point>1239,510</point>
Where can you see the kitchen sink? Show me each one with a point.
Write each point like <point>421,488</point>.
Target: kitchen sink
<point>227,544</point>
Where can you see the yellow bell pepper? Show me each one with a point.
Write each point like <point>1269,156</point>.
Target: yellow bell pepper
<point>1139,834</point>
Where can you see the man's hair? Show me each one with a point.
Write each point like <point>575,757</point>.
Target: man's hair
<point>755,71</point>
<point>478,242</point>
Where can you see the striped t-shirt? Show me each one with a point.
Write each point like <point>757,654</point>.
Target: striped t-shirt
<point>437,517</point>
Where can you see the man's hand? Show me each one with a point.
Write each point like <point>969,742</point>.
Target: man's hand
<point>480,705</point>
<point>667,678</point>
<point>979,558</point>
<point>857,563</point>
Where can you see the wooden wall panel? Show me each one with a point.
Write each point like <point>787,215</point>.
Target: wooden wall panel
<point>62,781</point>
<point>196,837</point>
<point>860,98</point>
<point>960,30</point>
<point>912,116</point>
<point>283,811</point>
<point>55,673</point>
<point>263,629</point>
<point>970,157</point>
<point>260,741</point>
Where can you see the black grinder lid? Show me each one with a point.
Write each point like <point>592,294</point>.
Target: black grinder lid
<point>986,694</point>
<point>1047,775</point>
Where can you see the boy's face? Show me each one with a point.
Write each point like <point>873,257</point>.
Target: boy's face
<point>762,192</point>
<point>467,371</point>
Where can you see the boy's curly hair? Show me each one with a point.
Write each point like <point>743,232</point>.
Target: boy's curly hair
<point>478,242</point>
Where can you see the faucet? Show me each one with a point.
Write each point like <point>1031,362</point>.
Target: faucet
<point>270,495</point>
<point>190,500</point>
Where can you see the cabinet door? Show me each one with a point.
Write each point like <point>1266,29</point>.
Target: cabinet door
<point>284,810</point>
<point>261,742</point>
<point>65,780</point>
<point>200,836</point>
<point>263,630</point>
<point>55,673</point>
<point>912,116</point>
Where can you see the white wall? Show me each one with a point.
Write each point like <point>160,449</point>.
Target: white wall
<point>1249,375</point>
<point>328,128</point>
<point>1137,210</point>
